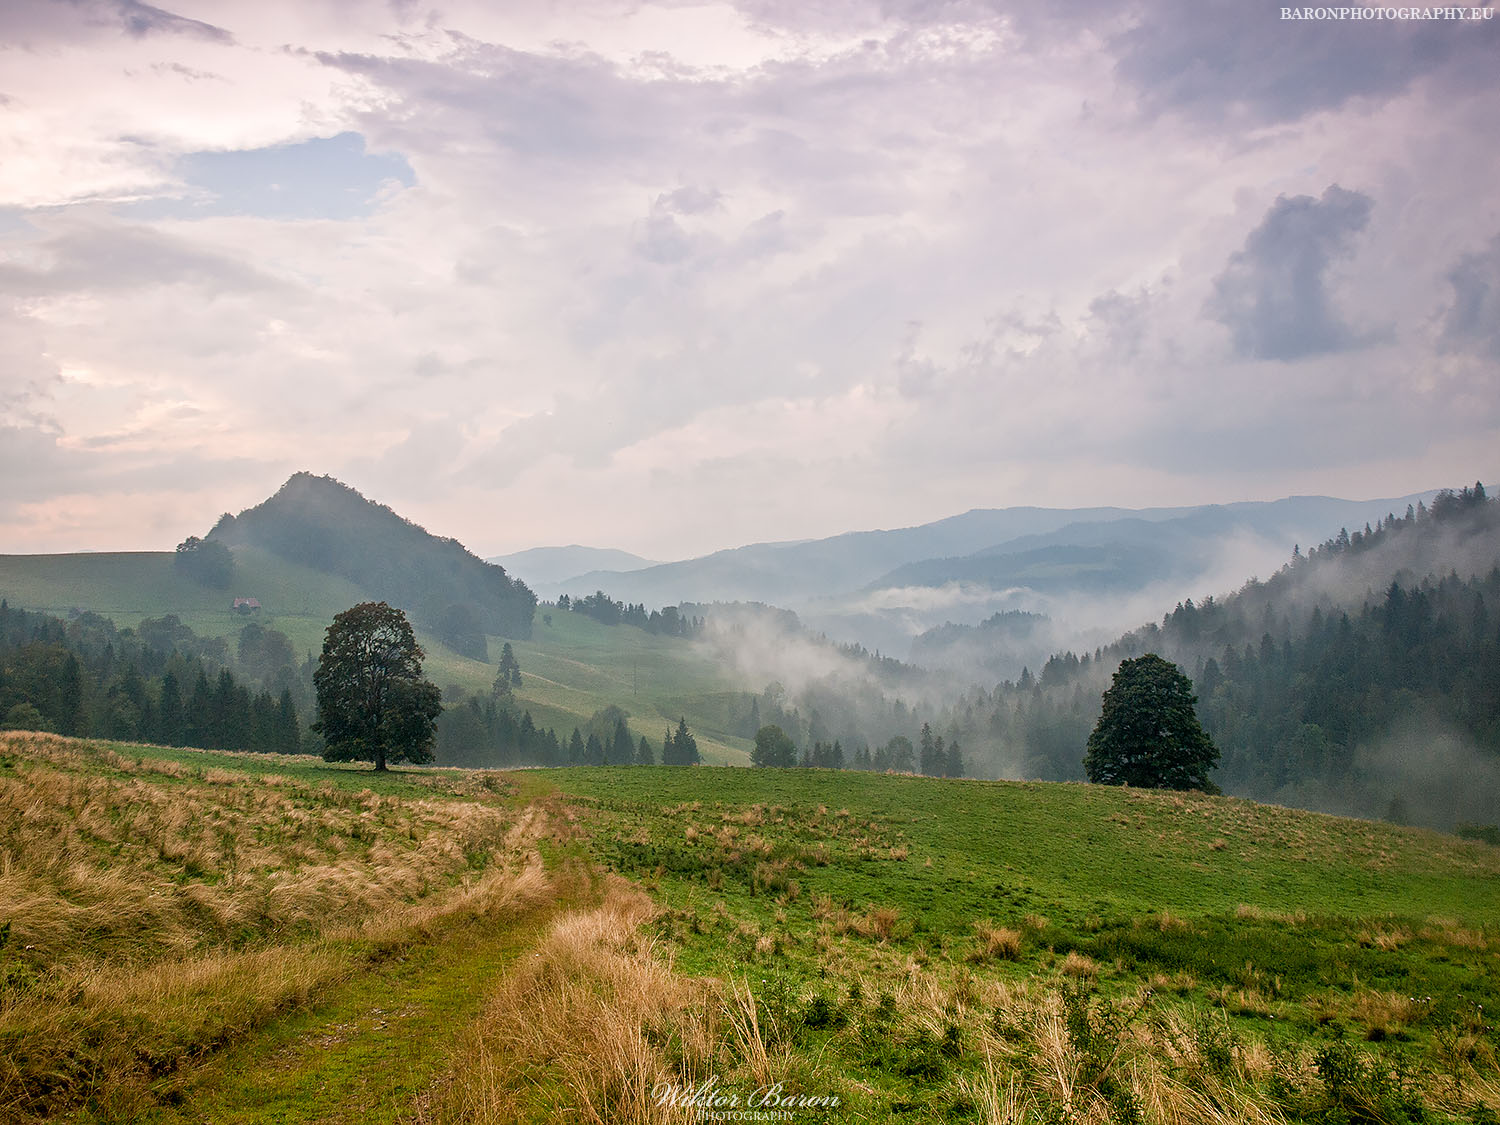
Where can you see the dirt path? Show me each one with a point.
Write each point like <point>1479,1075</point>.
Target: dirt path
<point>373,1044</point>
<point>369,1050</point>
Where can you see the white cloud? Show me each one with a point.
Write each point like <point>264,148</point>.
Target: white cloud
<point>674,276</point>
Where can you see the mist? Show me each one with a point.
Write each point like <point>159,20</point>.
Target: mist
<point>1421,771</point>
<point>1021,688</point>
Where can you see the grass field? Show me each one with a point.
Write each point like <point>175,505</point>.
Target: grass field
<point>216,937</point>
<point>1170,923</point>
<point>297,600</point>
<point>571,669</point>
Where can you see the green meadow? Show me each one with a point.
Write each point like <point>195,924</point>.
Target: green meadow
<point>195,936</point>
<point>571,667</point>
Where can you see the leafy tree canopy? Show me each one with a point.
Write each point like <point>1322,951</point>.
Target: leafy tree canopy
<point>1148,734</point>
<point>374,704</point>
<point>204,561</point>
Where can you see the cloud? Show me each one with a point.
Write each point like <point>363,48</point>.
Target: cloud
<point>689,200</point>
<point>1227,61</point>
<point>89,253</point>
<point>1273,295</point>
<point>1220,63</point>
<point>142,19</point>
<point>1473,320</point>
<point>35,22</point>
<point>686,277</point>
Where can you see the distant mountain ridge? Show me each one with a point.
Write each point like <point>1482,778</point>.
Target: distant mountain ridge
<point>542,565</point>
<point>882,588</point>
<point>328,526</point>
<point>806,568</point>
<point>1132,549</point>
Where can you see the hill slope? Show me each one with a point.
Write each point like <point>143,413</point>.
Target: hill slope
<point>242,938</point>
<point>1359,678</point>
<point>328,526</point>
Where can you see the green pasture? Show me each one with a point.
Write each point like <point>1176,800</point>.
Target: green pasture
<point>571,668</point>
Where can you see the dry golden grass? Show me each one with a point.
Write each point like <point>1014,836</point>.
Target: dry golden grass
<point>141,865</point>
<point>1387,941</point>
<point>1260,914</point>
<point>1079,965</point>
<point>1388,1011</point>
<point>995,943</point>
<point>588,1027</point>
<point>878,922</point>
<point>1170,923</point>
<point>1448,931</point>
<point>158,910</point>
<point>1033,1072</point>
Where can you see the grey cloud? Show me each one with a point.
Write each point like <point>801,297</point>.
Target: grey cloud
<point>662,240</point>
<point>1216,60</point>
<point>37,22</point>
<point>690,200</point>
<point>841,134</point>
<point>769,234</point>
<point>1123,320</point>
<point>93,253</point>
<point>141,20</point>
<point>530,106</point>
<point>1473,320</point>
<point>27,371</point>
<point>37,466</point>
<point>1227,58</point>
<point>1273,294</point>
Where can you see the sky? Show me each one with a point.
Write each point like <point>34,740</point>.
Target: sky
<point>672,277</point>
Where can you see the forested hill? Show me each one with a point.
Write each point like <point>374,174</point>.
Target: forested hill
<point>324,524</point>
<point>1363,677</point>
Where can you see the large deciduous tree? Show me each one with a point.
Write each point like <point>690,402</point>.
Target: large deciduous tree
<point>373,703</point>
<point>206,561</point>
<point>1148,734</point>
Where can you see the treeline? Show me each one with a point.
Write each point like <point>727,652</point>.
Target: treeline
<point>159,683</point>
<point>871,729</point>
<point>492,733</point>
<point>934,756</point>
<point>669,621</point>
<point>1319,691</point>
<point>1360,678</point>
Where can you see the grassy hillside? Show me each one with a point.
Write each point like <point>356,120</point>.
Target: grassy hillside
<point>191,936</point>
<point>127,587</point>
<point>571,668</point>
<point>574,666</point>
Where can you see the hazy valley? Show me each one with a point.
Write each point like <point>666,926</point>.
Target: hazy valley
<point>195,933</point>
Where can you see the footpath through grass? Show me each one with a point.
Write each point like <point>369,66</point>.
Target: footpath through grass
<point>371,1050</point>
<point>193,936</point>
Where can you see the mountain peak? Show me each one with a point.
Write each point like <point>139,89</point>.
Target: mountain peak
<point>325,524</point>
